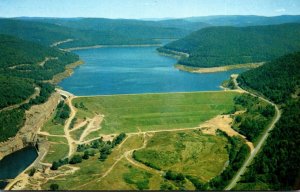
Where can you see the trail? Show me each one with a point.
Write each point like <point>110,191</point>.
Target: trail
<point>42,63</point>
<point>128,156</point>
<point>94,125</point>
<point>48,134</point>
<point>109,170</point>
<point>163,130</point>
<point>61,42</point>
<point>80,125</point>
<point>71,141</point>
<point>37,91</point>
<point>249,160</point>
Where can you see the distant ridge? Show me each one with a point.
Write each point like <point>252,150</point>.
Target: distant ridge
<point>225,45</point>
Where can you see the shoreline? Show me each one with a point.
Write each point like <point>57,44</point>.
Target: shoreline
<point>172,53</point>
<point>217,69</point>
<point>108,46</point>
<point>69,70</point>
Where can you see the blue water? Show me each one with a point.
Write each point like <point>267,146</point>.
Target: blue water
<point>129,70</point>
<point>13,164</point>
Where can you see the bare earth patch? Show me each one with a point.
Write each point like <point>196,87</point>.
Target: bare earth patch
<point>217,69</point>
<point>222,122</point>
<point>94,125</point>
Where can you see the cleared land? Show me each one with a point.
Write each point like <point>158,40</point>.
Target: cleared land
<point>58,149</point>
<point>150,112</point>
<point>187,152</point>
<point>217,69</point>
<point>162,130</point>
<point>53,128</point>
<point>91,171</point>
<point>121,171</point>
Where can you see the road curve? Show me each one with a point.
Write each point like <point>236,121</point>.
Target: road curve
<point>242,170</point>
<point>68,98</point>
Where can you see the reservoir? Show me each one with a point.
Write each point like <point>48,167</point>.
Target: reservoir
<point>133,70</point>
<point>13,164</point>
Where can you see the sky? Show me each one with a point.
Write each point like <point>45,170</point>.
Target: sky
<point>138,9</point>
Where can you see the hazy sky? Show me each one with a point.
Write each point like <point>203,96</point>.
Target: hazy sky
<point>146,8</point>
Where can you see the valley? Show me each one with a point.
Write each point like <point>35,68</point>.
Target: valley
<point>124,104</point>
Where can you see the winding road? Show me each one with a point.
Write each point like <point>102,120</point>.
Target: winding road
<point>261,142</point>
<point>71,141</point>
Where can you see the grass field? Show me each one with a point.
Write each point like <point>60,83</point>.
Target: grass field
<point>77,133</point>
<point>145,112</point>
<point>52,128</point>
<point>203,156</point>
<point>92,169</point>
<point>58,149</point>
<point>187,152</point>
<point>127,177</point>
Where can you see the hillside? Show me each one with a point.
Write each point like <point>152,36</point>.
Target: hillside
<point>221,46</point>
<point>48,34</point>
<point>24,67</point>
<point>277,166</point>
<point>95,31</point>
<point>41,33</point>
<point>245,20</point>
<point>138,29</point>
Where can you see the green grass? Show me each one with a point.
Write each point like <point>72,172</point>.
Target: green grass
<point>137,177</point>
<point>189,152</point>
<point>145,112</point>
<point>77,133</point>
<point>93,135</point>
<point>125,176</point>
<point>58,149</point>
<point>91,170</point>
<point>52,128</point>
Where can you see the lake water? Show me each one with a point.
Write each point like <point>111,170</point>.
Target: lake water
<point>129,70</point>
<point>13,164</point>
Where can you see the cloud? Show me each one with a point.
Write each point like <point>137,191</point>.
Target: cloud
<point>280,10</point>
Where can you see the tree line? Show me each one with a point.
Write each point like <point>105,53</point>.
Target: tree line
<point>277,165</point>
<point>20,73</point>
<point>220,46</point>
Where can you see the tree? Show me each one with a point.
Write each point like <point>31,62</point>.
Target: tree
<point>86,155</point>
<point>55,165</point>
<point>103,156</point>
<point>75,159</point>
<point>32,172</point>
<point>54,187</point>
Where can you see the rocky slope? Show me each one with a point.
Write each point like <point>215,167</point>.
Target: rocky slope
<point>35,118</point>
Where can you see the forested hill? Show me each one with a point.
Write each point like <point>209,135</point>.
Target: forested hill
<point>277,165</point>
<point>89,32</point>
<point>42,33</point>
<point>219,46</point>
<point>24,67</point>
<point>47,34</point>
<point>245,20</point>
<point>139,29</point>
<point>277,80</point>
<point>21,58</point>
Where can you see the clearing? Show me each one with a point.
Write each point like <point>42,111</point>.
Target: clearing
<point>150,112</point>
